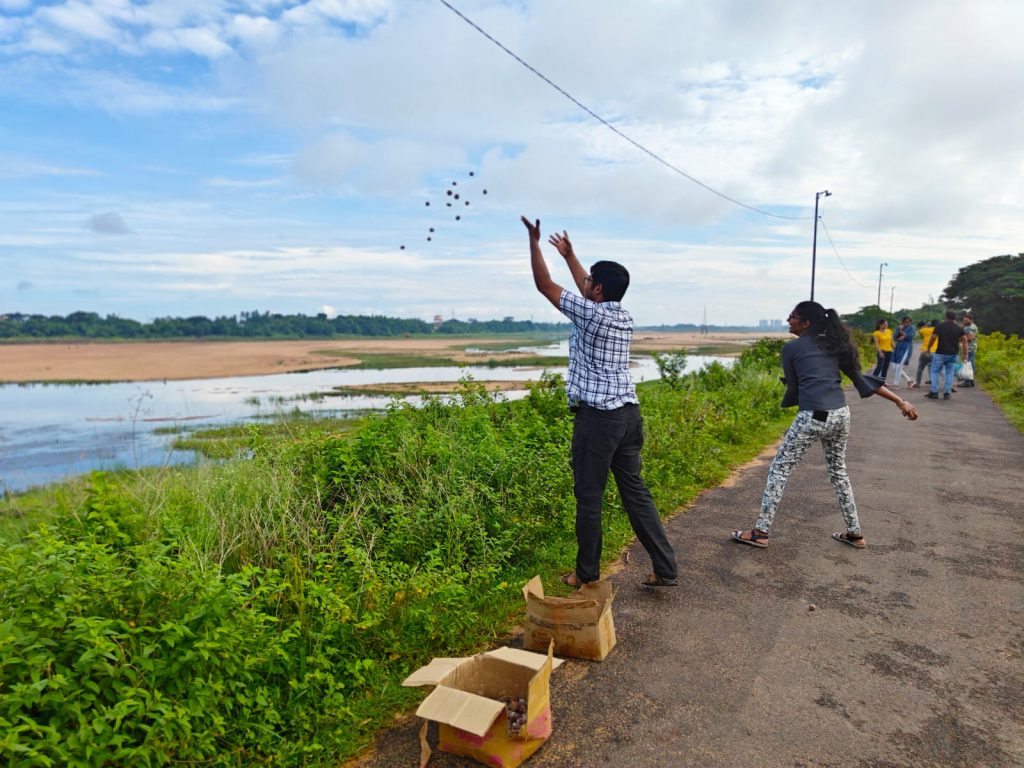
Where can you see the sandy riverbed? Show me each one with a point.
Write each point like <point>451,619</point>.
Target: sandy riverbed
<point>158,360</point>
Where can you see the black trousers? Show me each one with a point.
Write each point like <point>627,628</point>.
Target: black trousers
<point>611,440</point>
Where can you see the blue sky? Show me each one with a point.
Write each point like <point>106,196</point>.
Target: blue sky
<point>212,156</point>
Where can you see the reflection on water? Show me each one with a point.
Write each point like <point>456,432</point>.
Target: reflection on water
<point>49,432</point>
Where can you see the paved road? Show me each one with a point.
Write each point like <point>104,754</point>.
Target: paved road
<point>913,655</point>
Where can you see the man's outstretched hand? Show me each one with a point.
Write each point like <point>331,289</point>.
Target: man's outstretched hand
<point>533,229</point>
<point>561,243</point>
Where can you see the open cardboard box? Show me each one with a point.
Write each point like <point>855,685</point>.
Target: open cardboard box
<point>467,704</point>
<point>579,625</point>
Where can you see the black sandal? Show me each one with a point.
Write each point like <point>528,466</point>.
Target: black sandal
<point>757,539</point>
<point>857,542</point>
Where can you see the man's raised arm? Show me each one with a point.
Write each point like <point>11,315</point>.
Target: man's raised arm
<point>541,277</point>
<point>564,247</point>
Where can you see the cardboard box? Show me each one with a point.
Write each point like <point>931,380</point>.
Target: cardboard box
<point>580,625</point>
<point>468,704</point>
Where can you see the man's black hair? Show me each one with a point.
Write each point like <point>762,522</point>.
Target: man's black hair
<point>612,277</point>
<point>950,314</point>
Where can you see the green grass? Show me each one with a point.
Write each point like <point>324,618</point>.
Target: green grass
<point>1000,371</point>
<point>265,611</point>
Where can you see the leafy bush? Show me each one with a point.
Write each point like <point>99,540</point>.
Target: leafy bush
<point>1000,370</point>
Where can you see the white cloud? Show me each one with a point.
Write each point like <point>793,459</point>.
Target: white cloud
<point>354,11</point>
<point>81,19</point>
<point>13,167</point>
<point>254,31</point>
<point>202,41</point>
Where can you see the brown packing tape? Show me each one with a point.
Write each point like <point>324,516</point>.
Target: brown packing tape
<point>538,697</point>
<point>424,745</point>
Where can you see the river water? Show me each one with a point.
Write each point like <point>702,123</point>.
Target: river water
<point>49,432</point>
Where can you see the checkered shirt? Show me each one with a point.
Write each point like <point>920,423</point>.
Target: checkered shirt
<point>598,353</point>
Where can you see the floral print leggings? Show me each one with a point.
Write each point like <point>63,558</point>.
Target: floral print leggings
<point>805,429</point>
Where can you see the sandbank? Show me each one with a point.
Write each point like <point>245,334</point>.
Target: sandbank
<point>176,360</point>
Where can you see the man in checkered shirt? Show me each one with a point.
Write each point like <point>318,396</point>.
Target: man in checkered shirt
<point>608,430</point>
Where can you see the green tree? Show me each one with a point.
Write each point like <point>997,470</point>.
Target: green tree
<point>993,290</point>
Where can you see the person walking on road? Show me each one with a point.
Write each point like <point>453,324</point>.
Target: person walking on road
<point>607,431</point>
<point>948,336</point>
<point>971,331</point>
<point>812,364</point>
<point>924,357</point>
<point>902,351</point>
<point>882,336</point>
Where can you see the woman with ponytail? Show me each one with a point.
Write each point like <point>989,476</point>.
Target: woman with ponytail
<point>812,364</point>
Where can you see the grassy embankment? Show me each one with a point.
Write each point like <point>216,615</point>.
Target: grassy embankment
<point>264,612</point>
<point>1000,370</point>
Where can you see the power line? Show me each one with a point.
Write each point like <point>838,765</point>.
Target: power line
<point>858,282</point>
<point>612,128</point>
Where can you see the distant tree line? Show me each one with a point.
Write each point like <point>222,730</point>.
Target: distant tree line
<point>248,325</point>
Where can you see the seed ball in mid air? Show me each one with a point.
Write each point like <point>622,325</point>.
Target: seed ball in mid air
<point>449,193</point>
<point>456,197</point>
<point>485,191</point>
<point>427,203</point>
<point>428,239</point>
<point>401,247</point>
<point>431,229</point>
<point>455,183</point>
<point>448,204</point>
<point>467,202</point>
<point>457,218</point>
<point>470,173</point>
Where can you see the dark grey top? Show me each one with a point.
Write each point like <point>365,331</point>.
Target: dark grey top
<point>812,377</point>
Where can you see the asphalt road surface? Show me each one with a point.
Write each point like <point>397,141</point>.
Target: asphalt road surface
<point>913,653</point>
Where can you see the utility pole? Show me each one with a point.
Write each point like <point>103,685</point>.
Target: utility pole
<point>891,293</point>
<point>814,243</point>
<point>878,301</point>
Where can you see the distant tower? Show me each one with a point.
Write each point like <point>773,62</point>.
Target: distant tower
<point>704,322</point>
<point>438,320</point>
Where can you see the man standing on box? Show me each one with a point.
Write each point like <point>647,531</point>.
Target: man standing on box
<point>608,430</point>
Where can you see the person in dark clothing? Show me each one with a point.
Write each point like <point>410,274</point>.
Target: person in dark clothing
<point>812,364</point>
<point>948,337</point>
<point>608,431</point>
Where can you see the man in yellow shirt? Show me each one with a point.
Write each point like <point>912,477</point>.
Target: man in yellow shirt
<point>924,358</point>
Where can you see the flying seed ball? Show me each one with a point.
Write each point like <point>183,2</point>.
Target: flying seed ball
<point>467,202</point>
<point>402,247</point>
<point>485,191</point>
<point>470,173</point>
<point>448,204</point>
<point>456,197</point>
<point>449,193</point>
<point>431,229</point>
<point>427,203</point>
<point>457,218</point>
<point>428,239</point>
<point>455,183</point>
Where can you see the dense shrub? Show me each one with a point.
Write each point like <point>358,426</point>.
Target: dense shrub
<point>1000,370</point>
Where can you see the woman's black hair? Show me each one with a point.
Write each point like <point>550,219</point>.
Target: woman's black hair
<point>831,333</point>
<point>880,321</point>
